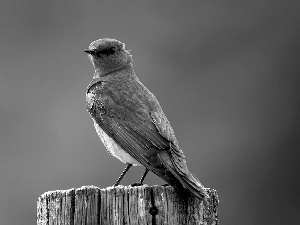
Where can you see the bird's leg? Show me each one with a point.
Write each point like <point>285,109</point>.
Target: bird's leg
<point>141,180</point>
<point>122,174</point>
<point>144,175</point>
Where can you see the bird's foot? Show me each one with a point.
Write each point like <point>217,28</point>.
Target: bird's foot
<point>116,184</point>
<point>136,184</point>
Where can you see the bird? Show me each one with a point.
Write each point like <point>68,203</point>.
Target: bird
<point>130,121</point>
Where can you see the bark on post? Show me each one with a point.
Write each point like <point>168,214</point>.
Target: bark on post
<point>125,205</point>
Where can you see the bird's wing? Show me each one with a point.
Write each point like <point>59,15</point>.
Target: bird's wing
<point>135,134</point>
<point>145,134</point>
<point>140,141</point>
<point>165,130</point>
<point>143,141</point>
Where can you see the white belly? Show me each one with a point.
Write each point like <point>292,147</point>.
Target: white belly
<point>113,148</point>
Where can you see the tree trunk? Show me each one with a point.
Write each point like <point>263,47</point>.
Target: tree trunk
<point>125,205</point>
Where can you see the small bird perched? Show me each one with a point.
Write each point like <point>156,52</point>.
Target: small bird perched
<point>130,121</point>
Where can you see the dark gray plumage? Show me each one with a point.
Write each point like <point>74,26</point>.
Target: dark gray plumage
<point>129,119</point>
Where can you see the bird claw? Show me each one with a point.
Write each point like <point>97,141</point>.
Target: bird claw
<point>136,184</point>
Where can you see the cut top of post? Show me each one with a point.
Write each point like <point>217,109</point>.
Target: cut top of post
<point>125,205</point>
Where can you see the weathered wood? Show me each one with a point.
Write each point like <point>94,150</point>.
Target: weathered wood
<point>125,205</point>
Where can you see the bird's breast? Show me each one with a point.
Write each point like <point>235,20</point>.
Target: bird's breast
<point>90,98</point>
<point>113,148</point>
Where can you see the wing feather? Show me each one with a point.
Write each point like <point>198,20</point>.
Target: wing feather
<point>138,129</point>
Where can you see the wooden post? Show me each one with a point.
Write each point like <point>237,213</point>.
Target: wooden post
<point>125,205</point>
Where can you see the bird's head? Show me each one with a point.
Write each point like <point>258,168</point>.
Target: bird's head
<point>108,55</point>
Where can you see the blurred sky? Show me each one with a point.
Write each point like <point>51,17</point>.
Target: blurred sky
<point>225,72</point>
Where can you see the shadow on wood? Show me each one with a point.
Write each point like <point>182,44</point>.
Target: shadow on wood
<point>125,205</point>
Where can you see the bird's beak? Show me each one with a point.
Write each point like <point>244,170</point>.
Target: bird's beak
<point>89,51</point>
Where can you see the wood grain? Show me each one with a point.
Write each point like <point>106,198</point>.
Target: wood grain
<point>128,205</point>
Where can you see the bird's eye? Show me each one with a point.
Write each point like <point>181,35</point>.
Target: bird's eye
<point>110,50</point>
<point>106,51</point>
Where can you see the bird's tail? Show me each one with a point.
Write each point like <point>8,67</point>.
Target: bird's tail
<point>187,180</point>
<point>194,186</point>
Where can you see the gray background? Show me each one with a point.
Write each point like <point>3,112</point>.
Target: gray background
<point>225,72</point>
